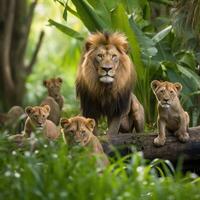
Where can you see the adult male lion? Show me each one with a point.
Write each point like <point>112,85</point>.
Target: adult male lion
<point>104,83</point>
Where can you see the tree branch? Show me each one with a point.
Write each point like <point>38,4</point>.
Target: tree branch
<point>8,81</point>
<point>35,53</point>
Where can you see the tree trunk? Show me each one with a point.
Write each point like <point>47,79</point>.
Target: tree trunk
<point>15,22</point>
<point>172,150</point>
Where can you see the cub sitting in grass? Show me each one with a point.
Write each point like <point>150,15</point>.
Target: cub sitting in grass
<point>171,115</point>
<point>79,130</point>
<point>54,99</point>
<point>37,119</point>
<point>13,119</point>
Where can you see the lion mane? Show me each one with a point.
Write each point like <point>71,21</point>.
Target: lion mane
<point>98,99</point>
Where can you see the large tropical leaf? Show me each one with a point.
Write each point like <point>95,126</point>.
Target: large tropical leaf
<point>66,30</point>
<point>88,16</point>
<point>102,11</point>
<point>147,45</point>
<point>162,34</point>
<point>120,22</point>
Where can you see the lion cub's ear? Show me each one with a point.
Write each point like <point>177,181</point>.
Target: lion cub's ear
<point>90,123</point>
<point>3,118</point>
<point>59,80</point>
<point>64,122</point>
<point>155,84</point>
<point>45,83</point>
<point>47,108</point>
<point>178,86</point>
<point>29,110</point>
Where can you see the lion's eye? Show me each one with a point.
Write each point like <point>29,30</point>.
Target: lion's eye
<point>162,91</point>
<point>171,91</point>
<point>100,56</point>
<point>114,57</point>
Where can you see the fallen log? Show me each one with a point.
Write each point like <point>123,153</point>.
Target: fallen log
<point>172,150</point>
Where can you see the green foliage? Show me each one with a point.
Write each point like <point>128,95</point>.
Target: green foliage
<point>53,171</point>
<point>156,55</point>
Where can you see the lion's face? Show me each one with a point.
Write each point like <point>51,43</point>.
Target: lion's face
<point>54,86</point>
<point>38,114</point>
<point>106,61</point>
<point>77,130</point>
<point>166,92</point>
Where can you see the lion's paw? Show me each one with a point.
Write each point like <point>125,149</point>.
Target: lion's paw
<point>158,141</point>
<point>184,137</point>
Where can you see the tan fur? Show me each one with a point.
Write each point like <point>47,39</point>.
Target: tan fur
<point>55,112</point>
<point>11,116</point>
<point>54,99</point>
<point>53,86</point>
<point>105,76</point>
<point>37,119</point>
<point>171,115</point>
<point>79,130</point>
<point>134,120</point>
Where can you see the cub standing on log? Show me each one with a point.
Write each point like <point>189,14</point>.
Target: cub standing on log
<point>37,119</point>
<point>55,100</point>
<point>105,81</point>
<point>79,130</point>
<point>171,115</point>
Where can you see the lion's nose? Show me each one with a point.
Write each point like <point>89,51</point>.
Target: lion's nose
<point>107,69</point>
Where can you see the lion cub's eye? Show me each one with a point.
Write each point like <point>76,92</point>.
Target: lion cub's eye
<point>83,133</point>
<point>171,91</point>
<point>162,91</point>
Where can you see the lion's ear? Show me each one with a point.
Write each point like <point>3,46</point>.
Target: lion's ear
<point>90,123</point>
<point>178,86</point>
<point>155,84</point>
<point>29,110</point>
<point>64,122</point>
<point>125,47</point>
<point>87,46</point>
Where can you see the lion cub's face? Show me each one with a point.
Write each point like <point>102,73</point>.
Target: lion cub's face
<point>38,114</point>
<point>78,130</point>
<point>53,85</point>
<point>166,92</point>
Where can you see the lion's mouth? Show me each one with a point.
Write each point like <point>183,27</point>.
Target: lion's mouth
<point>106,79</point>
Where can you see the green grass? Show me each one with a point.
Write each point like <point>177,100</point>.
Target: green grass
<point>54,172</point>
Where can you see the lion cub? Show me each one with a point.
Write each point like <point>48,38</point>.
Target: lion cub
<point>37,119</point>
<point>54,99</point>
<point>14,118</point>
<point>171,115</point>
<point>79,130</point>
